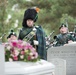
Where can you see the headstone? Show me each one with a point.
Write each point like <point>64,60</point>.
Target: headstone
<point>67,53</point>
<point>2,60</point>
<point>41,67</point>
<point>60,66</point>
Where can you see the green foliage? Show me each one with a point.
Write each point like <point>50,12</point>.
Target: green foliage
<point>52,14</point>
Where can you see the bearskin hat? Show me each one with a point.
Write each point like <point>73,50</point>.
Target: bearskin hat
<point>11,33</point>
<point>30,13</point>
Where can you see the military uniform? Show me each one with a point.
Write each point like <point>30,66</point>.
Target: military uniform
<point>62,39</point>
<point>39,35</point>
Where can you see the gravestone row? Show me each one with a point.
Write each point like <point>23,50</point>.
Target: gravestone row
<point>67,54</point>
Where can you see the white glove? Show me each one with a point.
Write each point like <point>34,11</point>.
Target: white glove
<point>35,42</point>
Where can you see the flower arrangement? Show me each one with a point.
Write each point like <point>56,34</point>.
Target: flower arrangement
<point>20,51</point>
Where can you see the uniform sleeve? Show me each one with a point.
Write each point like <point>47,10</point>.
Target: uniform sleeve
<point>71,37</point>
<point>20,33</point>
<point>58,42</point>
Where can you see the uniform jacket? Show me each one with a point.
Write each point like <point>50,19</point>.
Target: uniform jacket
<point>63,39</point>
<point>40,37</point>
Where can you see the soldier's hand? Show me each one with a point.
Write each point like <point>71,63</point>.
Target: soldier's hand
<point>35,42</point>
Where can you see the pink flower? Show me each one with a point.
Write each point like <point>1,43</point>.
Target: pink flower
<point>22,52</point>
<point>29,58</point>
<point>14,44</point>
<point>18,50</point>
<point>20,41</point>
<point>33,50</point>
<point>28,46</point>
<point>36,55</point>
<point>15,58</point>
<point>19,46</point>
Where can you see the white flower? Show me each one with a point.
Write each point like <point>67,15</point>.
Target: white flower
<point>16,52</point>
<point>9,47</point>
<point>21,56</point>
<point>31,54</point>
<point>32,57</point>
<point>10,59</point>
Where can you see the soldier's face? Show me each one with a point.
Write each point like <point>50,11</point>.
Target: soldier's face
<point>64,30</point>
<point>12,38</point>
<point>30,23</point>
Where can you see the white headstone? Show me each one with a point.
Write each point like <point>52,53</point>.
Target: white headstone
<point>2,60</point>
<point>60,66</point>
<point>67,53</point>
<point>41,67</point>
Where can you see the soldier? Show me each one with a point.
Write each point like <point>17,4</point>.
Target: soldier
<point>32,33</point>
<point>64,37</point>
<point>12,36</point>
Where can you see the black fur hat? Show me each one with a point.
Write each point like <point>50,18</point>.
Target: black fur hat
<point>30,13</point>
<point>11,33</point>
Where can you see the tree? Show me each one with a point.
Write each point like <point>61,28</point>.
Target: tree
<point>2,17</point>
<point>52,14</point>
